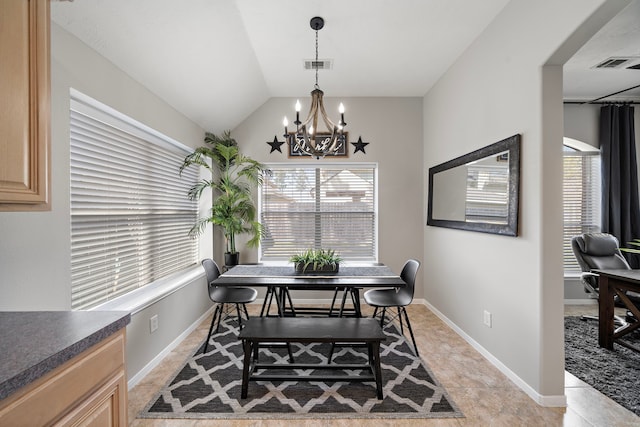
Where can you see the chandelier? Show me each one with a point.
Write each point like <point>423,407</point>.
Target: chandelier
<point>307,138</point>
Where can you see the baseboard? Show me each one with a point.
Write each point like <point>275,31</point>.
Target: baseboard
<point>547,401</point>
<point>160,356</point>
<point>585,301</point>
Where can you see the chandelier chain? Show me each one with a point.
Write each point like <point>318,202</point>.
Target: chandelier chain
<point>316,65</point>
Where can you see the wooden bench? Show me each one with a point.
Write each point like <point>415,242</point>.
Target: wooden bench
<point>260,330</point>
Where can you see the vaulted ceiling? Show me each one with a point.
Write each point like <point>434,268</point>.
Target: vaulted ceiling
<point>217,61</point>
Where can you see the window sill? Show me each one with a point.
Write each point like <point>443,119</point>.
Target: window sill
<point>138,300</point>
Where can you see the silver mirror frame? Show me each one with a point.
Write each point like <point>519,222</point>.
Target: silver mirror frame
<point>512,145</point>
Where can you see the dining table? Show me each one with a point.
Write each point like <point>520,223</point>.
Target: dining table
<point>280,279</point>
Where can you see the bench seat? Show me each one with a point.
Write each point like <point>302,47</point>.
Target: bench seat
<point>259,330</point>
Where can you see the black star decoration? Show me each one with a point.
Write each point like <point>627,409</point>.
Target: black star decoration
<point>275,144</point>
<point>359,145</point>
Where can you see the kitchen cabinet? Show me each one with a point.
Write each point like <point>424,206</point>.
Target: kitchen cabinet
<point>24,105</point>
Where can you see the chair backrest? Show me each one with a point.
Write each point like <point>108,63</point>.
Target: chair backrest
<point>595,251</point>
<point>408,274</point>
<point>211,270</point>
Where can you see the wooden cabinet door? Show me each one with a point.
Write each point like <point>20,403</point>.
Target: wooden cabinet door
<point>24,104</point>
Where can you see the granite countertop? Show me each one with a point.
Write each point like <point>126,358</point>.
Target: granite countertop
<point>33,343</point>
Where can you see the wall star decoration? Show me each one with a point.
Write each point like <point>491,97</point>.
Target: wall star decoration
<point>359,145</point>
<point>275,144</point>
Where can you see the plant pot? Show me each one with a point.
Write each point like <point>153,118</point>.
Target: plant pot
<point>231,259</point>
<point>325,269</point>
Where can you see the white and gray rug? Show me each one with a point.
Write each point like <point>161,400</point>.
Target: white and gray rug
<point>208,385</point>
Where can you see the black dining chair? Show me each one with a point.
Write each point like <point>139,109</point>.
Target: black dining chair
<point>224,296</point>
<point>396,297</point>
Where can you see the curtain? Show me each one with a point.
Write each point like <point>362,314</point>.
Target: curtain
<point>620,206</point>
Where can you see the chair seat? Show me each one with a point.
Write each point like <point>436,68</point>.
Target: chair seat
<point>386,298</point>
<point>238,295</point>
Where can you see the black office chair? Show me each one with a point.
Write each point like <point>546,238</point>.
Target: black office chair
<point>600,251</point>
<point>399,298</point>
<point>222,296</point>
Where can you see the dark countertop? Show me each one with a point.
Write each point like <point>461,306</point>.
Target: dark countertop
<point>33,343</point>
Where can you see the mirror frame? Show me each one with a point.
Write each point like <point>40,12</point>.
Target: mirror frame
<point>512,145</point>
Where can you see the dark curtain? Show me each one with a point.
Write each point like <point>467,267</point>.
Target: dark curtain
<point>620,207</point>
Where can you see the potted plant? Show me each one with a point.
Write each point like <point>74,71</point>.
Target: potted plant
<point>316,261</point>
<point>233,177</point>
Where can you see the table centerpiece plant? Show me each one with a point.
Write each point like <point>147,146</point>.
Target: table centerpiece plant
<point>316,261</point>
<point>233,177</point>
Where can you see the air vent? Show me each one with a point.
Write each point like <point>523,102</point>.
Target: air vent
<point>320,64</point>
<point>615,62</point>
<point>634,67</point>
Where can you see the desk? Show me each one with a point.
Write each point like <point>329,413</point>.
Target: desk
<point>349,278</point>
<point>610,284</point>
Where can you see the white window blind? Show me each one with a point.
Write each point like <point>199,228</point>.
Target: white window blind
<point>582,195</point>
<point>130,214</point>
<point>327,206</point>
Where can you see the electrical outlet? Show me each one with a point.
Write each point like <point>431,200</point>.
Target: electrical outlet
<point>153,323</point>
<point>487,318</point>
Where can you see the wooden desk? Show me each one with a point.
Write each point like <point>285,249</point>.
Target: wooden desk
<point>614,283</point>
<point>349,278</point>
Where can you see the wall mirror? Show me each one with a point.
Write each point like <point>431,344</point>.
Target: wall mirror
<point>478,191</point>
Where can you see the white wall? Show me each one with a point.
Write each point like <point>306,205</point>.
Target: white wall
<point>393,128</point>
<point>35,246</point>
<point>507,89</point>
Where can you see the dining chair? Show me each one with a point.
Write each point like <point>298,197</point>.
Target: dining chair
<point>396,297</point>
<point>224,296</point>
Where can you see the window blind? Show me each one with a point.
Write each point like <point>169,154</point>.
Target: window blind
<point>130,214</point>
<point>328,206</point>
<point>582,194</point>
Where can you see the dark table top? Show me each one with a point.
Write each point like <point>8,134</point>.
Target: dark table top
<point>632,276</point>
<point>32,343</point>
<point>348,276</point>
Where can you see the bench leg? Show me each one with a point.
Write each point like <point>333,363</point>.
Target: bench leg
<point>374,352</point>
<point>246,344</point>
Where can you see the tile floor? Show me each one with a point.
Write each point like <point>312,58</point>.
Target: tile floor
<point>484,394</point>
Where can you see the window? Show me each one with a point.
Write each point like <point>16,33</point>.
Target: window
<point>582,193</point>
<point>130,214</point>
<point>328,206</point>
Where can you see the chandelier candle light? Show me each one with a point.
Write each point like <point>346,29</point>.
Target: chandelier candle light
<point>304,139</point>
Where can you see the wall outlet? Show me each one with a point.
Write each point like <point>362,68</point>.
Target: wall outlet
<point>487,318</point>
<point>153,323</point>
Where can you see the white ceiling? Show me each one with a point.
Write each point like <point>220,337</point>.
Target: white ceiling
<point>217,61</point>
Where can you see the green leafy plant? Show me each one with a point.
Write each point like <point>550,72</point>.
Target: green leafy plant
<point>635,249</point>
<point>233,177</point>
<point>316,259</point>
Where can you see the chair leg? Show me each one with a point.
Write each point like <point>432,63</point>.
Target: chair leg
<point>213,321</point>
<point>415,346</point>
<point>384,310</point>
<point>246,313</point>
<point>375,313</point>
<point>400,317</point>
<point>219,317</point>
<point>239,315</point>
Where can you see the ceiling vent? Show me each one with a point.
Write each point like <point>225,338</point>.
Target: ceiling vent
<point>616,62</point>
<point>320,64</point>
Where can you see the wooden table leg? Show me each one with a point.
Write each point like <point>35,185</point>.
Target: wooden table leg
<point>246,344</point>
<point>605,312</point>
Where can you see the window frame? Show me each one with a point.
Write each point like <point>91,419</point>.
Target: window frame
<point>329,165</point>
<point>111,118</point>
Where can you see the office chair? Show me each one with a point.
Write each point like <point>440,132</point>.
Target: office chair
<point>399,298</point>
<point>600,251</point>
<point>222,296</point>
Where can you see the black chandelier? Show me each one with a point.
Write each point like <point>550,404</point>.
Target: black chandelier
<point>307,138</point>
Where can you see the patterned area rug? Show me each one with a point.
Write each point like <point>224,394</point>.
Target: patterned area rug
<point>615,373</point>
<point>208,385</point>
